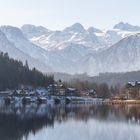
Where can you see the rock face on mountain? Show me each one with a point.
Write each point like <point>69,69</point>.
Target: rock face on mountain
<point>18,47</point>
<point>74,49</point>
<point>33,31</point>
<point>127,27</point>
<point>121,57</point>
<point>124,55</point>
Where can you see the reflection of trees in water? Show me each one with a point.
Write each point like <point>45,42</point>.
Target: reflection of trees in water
<point>19,121</point>
<point>13,128</point>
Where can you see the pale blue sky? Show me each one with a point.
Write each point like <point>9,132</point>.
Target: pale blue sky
<point>57,14</point>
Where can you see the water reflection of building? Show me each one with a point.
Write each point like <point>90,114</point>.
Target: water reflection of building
<point>18,121</point>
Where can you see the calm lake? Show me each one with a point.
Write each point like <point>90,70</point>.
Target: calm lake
<point>71,122</point>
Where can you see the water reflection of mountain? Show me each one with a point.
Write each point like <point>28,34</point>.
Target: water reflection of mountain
<point>17,121</point>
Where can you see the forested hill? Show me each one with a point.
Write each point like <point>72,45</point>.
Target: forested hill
<point>112,79</point>
<point>13,73</point>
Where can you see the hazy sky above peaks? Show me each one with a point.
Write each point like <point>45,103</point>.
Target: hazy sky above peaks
<point>57,14</point>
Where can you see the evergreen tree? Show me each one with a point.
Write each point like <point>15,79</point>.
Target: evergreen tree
<point>13,73</point>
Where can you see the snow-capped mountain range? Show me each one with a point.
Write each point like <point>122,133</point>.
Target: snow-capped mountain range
<point>74,49</point>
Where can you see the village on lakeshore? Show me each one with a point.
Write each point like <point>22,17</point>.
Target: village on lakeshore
<point>54,93</point>
<point>58,93</point>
